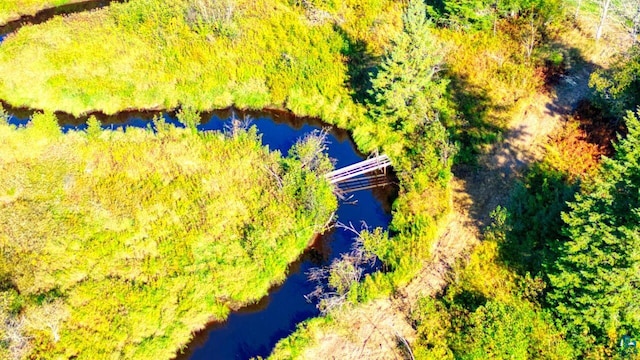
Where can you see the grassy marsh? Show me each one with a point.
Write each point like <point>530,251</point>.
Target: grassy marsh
<point>121,244</point>
<point>148,54</point>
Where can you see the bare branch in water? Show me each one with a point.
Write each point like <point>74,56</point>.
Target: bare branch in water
<point>334,282</point>
<point>237,126</point>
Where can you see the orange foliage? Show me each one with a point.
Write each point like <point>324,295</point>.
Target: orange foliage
<point>570,152</point>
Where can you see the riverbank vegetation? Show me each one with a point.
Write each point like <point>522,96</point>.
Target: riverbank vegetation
<point>147,54</point>
<point>531,289</point>
<point>121,244</point>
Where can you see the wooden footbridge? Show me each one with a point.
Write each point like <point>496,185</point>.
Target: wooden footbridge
<point>366,174</point>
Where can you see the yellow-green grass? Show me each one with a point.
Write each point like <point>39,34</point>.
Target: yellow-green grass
<point>14,9</point>
<point>121,244</point>
<point>149,54</point>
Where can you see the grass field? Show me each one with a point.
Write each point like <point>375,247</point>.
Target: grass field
<point>205,54</point>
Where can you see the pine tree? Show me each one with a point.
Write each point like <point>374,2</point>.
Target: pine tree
<point>596,280</point>
<point>406,89</point>
<point>478,14</point>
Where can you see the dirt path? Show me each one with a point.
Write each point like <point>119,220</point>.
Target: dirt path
<point>478,191</point>
<point>376,329</point>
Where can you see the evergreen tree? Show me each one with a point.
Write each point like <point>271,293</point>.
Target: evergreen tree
<point>406,90</point>
<point>596,280</point>
<point>483,15</point>
<point>478,14</point>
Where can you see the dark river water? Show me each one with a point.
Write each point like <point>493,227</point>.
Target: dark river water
<point>254,330</point>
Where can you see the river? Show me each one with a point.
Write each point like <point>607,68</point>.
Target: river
<point>254,330</point>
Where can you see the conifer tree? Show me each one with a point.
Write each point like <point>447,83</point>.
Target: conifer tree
<point>596,280</point>
<point>406,88</point>
<point>618,87</point>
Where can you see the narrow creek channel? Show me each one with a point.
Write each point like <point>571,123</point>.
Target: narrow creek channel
<point>253,331</point>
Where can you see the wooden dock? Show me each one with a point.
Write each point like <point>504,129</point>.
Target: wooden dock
<point>363,175</point>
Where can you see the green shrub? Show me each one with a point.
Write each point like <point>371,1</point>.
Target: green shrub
<point>617,88</point>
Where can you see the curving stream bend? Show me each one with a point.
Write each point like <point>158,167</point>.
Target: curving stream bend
<point>48,13</point>
<point>254,330</point>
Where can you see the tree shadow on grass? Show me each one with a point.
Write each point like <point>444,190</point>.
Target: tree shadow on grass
<point>535,199</point>
<point>491,182</point>
<point>488,187</point>
<point>362,67</point>
<point>473,125</point>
